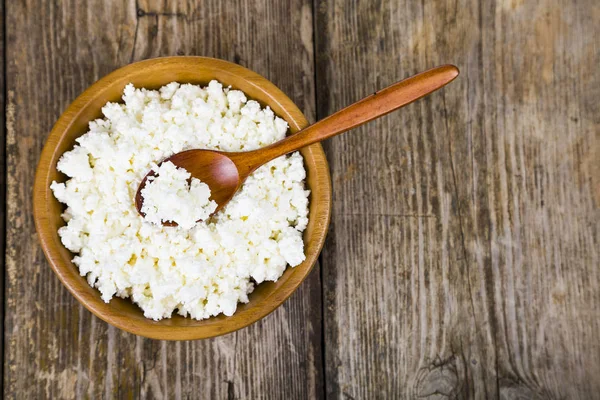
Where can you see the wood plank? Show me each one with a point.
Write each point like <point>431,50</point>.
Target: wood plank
<point>462,259</point>
<point>3,125</point>
<point>54,347</point>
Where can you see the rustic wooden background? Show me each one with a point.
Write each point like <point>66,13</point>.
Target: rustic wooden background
<point>463,254</point>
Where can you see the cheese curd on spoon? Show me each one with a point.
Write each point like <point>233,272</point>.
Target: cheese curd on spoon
<point>196,269</point>
<point>169,197</point>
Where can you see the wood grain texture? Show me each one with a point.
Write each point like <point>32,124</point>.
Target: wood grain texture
<point>3,125</point>
<point>462,260</point>
<point>54,347</point>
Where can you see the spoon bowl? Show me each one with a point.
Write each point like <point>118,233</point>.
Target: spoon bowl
<point>216,169</point>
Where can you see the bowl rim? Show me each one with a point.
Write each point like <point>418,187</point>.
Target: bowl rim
<point>149,328</point>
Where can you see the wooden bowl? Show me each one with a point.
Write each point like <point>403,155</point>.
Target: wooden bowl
<point>153,74</point>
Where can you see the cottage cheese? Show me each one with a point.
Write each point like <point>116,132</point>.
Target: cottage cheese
<point>201,270</point>
<point>168,197</point>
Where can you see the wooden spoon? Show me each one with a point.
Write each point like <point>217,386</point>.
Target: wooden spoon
<point>224,172</point>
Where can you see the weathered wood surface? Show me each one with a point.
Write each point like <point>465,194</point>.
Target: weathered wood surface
<point>54,347</point>
<point>462,259</point>
<point>2,177</point>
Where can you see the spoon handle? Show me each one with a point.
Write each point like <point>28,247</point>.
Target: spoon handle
<point>376,105</point>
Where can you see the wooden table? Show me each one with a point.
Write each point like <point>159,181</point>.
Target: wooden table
<point>463,254</point>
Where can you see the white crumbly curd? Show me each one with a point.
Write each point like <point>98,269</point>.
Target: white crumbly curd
<point>169,197</point>
<point>199,270</point>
